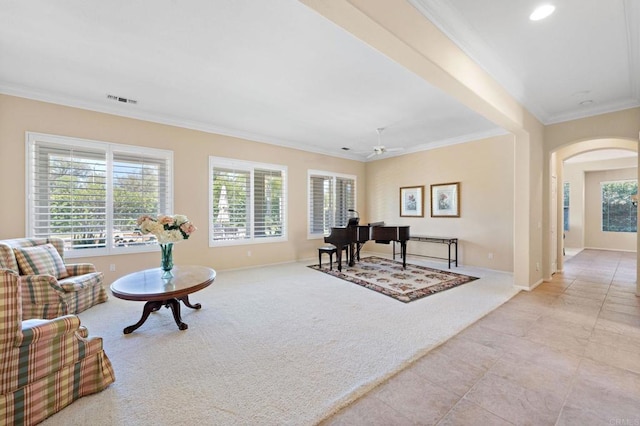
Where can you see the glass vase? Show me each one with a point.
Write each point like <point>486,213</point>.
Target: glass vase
<point>167,259</point>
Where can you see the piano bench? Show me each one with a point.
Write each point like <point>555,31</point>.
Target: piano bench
<point>330,249</point>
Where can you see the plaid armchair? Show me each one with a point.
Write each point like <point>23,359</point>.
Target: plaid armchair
<point>45,365</point>
<point>51,288</point>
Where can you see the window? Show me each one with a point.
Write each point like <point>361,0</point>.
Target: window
<point>566,191</point>
<point>247,202</point>
<point>90,193</point>
<point>618,212</point>
<point>330,198</point>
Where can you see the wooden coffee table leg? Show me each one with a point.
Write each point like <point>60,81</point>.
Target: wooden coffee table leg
<point>148,308</point>
<point>175,309</point>
<point>185,300</point>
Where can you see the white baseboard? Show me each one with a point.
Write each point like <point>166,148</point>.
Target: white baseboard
<point>536,284</point>
<point>609,249</point>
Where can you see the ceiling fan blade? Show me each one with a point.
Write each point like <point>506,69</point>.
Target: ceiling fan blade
<point>373,154</point>
<point>394,149</point>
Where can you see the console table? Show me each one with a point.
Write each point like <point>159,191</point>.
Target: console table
<point>438,240</point>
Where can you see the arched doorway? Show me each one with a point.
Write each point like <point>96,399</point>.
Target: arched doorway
<point>557,178</point>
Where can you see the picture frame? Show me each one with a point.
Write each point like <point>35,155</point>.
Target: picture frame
<point>445,200</point>
<point>412,201</point>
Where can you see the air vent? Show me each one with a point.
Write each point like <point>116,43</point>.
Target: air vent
<point>344,148</point>
<point>121,99</point>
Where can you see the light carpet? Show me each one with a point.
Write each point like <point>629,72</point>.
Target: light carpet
<point>277,345</point>
<point>389,277</point>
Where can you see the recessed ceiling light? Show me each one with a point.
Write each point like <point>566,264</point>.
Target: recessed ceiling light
<point>542,12</point>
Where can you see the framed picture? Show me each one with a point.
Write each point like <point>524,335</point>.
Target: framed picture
<point>445,200</point>
<point>411,201</point>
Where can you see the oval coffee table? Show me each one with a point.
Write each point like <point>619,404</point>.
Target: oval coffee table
<point>149,286</point>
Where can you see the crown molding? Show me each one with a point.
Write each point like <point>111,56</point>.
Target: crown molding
<point>476,136</point>
<point>129,111</point>
<point>592,111</point>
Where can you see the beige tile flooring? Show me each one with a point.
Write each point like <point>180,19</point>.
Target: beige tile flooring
<point>567,353</point>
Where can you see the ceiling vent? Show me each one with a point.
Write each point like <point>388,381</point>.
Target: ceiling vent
<point>121,99</point>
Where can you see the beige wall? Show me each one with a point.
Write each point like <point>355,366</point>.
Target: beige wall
<point>399,30</point>
<point>472,164</point>
<point>485,172</point>
<point>377,200</point>
<point>619,125</point>
<point>594,237</point>
<point>620,129</point>
<point>574,174</point>
<point>191,151</point>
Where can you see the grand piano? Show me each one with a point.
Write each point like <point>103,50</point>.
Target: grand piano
<point>355,236</point>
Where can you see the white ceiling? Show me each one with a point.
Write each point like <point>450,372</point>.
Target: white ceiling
<point>582,60</point>
<point>276,71</point>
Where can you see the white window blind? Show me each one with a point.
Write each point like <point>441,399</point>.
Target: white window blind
<point>330,198</point>
<point>321,206</point>
<point>139,184</point>
<point>231,204</point>
<point>247,202</point>
<point>91,193</point>
<point>345,199</point>
<point>268,204</point>
<point>68,194</point>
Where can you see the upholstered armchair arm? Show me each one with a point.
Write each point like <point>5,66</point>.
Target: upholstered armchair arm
<point>75,269</point>
<point>41,289</point>
<point>37,330</point>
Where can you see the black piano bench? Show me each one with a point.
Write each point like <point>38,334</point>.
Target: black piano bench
<point>329,249</point>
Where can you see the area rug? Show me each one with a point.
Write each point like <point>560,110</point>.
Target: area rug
<point>391,279</point>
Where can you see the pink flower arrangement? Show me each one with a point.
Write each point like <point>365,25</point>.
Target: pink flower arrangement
<point>167,229</point>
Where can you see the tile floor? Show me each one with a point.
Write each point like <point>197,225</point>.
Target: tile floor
<point>567,353</point>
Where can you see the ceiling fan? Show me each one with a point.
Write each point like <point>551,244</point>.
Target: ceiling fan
<point>381,149</point>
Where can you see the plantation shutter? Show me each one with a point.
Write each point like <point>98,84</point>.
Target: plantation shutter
<point>141,184</point>
<point>345,200</point>
<point>268,203</point>
<point>231,204</point>
<point>321,204</point>
<point>248,202</point>
<point>90,193</point>
<point>68,194</point>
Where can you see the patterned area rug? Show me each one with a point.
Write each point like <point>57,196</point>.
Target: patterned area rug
<point>387,277</point>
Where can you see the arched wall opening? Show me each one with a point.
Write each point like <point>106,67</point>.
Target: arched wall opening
<point>556,179</point>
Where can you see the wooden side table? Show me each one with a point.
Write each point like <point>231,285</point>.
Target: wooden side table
<point>149,286</point>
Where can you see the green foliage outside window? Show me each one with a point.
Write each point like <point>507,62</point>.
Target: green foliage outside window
<point>77,200</point>
<point>618,212</point>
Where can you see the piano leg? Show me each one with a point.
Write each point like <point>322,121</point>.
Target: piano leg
<point>351,257</point>
<point>403,245</point>
<point>339,259</point>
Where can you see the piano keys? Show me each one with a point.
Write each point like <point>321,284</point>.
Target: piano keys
<point>356,236</point>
